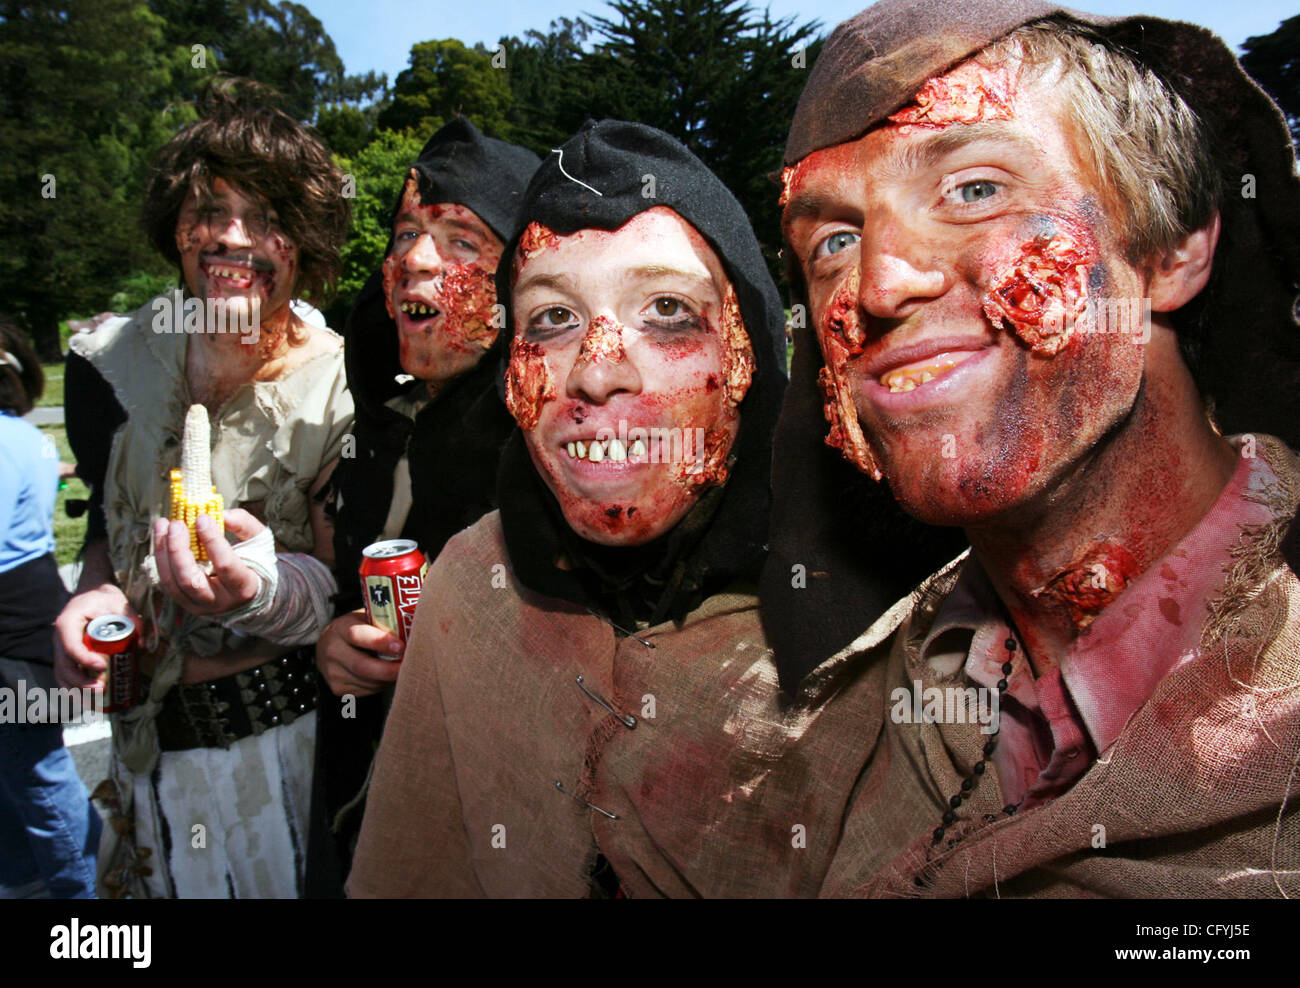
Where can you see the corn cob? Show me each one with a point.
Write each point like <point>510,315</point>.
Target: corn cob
<point>192,491</point>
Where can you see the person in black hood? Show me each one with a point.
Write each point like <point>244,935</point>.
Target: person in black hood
<point>428,434</point>
<point>587,704</point>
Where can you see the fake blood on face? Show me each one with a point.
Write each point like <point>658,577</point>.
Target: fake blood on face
<point>602,341</point>
<point>970,93</point>
<point>1043,291</point>
<point>645,357</point>
<point>842,340</point>
<point>439,287</point>
<point>528,383</point>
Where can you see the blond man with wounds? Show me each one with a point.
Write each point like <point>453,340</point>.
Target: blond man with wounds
<point>1040,308</point>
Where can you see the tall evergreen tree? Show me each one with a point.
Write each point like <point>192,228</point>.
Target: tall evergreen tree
<point>719,76</point>
<point>280,44</point>
<point>550,78</point>
<point>83,104</point>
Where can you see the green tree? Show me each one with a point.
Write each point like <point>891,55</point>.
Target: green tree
<point>1273,60</point>
<point>377,171</point>
<point>717,75</point>
<point>344,128</point>
<point>83,105</point>
<point>280,44</point>
<point>550,78</point>
<point>446,78</point>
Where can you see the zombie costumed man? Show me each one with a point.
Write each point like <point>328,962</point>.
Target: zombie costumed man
<point>585,705</point>
<point>428,436</point>
<point>1051,262</point>
<point>211,770</point>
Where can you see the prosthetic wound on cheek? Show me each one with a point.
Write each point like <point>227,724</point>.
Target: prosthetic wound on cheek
<point>468,298</point>
<point>710,465</point>
<point>842,340</point>
<point>1043,291</point>
<point>528,383</point>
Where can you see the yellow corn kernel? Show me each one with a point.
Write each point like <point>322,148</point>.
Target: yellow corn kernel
<point>192,490</point>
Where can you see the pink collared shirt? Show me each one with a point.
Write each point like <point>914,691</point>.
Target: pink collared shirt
<point>1053,727</point>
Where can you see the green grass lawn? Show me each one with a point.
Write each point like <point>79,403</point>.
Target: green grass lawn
<point>69,533</point>
<point>53,395</point>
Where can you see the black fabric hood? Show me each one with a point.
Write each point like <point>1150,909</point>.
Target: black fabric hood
<point>606,174</point>
<point>1245,342</point>
<point>457,165</point>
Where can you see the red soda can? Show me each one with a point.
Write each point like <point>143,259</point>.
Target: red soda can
<point>392,573</point>
<point>113,635</point>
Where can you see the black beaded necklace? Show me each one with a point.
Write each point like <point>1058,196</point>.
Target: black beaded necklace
<point>968,784</point>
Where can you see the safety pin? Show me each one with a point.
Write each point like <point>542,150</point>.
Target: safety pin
<point>592,806</point>
<point>627,719</point>
<point>618,627</point>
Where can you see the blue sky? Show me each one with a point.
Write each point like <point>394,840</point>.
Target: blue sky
<point>378,34</point>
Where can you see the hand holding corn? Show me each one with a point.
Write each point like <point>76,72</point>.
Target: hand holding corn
<point>191,486</point>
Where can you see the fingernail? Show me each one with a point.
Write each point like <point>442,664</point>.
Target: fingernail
<point>198,581</point>
<point>204,523</point>
<point>396,646</point>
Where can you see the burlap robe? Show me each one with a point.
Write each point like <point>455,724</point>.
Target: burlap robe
<point>1199,796</point>
<point>717,791</point>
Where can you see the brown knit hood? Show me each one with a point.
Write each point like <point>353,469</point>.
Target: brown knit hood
<point>858,550</point>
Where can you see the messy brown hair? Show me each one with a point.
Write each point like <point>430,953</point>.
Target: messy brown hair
<point>244,138</point>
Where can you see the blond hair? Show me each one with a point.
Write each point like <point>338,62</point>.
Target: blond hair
<point>1148,149</point>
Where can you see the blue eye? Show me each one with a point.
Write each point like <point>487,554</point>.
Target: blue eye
<point>836,242</point>
<point>975,191</point>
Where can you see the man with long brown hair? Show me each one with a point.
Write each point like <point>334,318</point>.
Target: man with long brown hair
<point>211,767</point>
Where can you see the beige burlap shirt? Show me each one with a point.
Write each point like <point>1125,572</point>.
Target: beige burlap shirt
<point>1199,795</point>
<point>715,788</point>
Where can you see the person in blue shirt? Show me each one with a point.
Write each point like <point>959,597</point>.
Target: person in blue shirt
<point>49,831</point>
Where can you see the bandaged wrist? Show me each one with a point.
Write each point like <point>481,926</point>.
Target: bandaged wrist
<point>294,601</point>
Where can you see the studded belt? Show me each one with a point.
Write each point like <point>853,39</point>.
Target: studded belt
<point>218,713</point>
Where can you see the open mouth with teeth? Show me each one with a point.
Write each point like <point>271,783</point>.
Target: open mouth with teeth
<point>912,376</point>
<point>418,312</point>
<point>237,277</point>
<point>610,450</point>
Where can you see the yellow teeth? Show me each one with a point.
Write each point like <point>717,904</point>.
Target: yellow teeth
<point>418,309</point>
<point>596,451</point>
<point>232,273</point>
<point>900,381</point>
